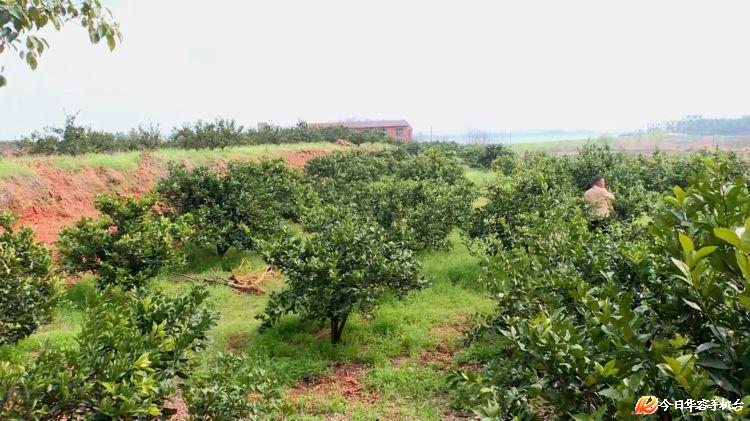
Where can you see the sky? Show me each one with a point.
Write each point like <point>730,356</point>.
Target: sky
<point>451,65</point>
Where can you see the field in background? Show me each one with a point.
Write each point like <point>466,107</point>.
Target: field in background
<point>645,143</point>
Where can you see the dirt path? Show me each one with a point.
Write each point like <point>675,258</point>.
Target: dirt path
<point>54,198</point>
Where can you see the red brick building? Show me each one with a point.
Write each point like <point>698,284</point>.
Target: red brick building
<point>397,129</point>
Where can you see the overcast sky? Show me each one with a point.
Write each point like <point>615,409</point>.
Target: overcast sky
<point>510,65</point>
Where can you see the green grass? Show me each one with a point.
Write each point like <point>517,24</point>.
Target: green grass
<point>124,161</point>
<point>294,349</point>
<point>128,161</point>
<point>551,146</point>
<point>239,152</point>
<point>10,168</point>
<point>480,177</point>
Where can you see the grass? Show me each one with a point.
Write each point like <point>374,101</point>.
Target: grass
<point>128,161</point>
<point>10,168</point>
<point>390,344</point>
<point>294,349</point>
<point>239,152</point>
<point>551,146</point>
<point>480,177</point>
<point>123,161</point>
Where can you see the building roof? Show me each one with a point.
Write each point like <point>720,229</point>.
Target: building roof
<point>363,124</point>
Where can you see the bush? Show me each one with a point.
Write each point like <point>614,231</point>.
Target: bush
<point>418,199</point>
<point>29,287</point>
<point>478,156</point>
<point>131,352</point>
<point>348,264</point>
<point>220,133</point>
<point>233,387</point>
<point>129,244</point>
<point>239,207</point>
<point>418,214</point>
<point>590,320</point>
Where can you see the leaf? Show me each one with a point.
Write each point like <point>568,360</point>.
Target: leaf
<point>711,362</point>
<point>31,60</point>
<point>687,243</point>
<point>613,394</point>
<point>704,251</point>
<point>3,81</point>
<point>692,304</point>
<point>729,236</point>
<point>745,301</point>
<point>705,346</point>
<point>684,269</point>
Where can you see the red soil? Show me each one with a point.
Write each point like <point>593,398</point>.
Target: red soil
<point>344,381</point>
<point>54,198</point>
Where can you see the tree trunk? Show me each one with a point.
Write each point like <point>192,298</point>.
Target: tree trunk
<point>222,249</point>
<point>337,328</point>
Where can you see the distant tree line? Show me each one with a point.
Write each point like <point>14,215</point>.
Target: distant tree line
<point>75,139</point>
<point>698,125</point>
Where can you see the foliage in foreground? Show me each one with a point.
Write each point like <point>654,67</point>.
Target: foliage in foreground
<point>29,288</point>
<point>131,352</point>
<point>654,303</point>
<point>347,265</point>
<point>127,245</point>
<point>233,387</point>
<point>21,20</point>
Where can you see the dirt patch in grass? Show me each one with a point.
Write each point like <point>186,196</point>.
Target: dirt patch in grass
<point>298,159</point>
<point>442,356</point>
<point>344,382</point>
<point>238,342</point>
<point>177,403</point>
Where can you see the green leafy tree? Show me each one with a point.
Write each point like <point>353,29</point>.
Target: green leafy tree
<point>22,20</point>
<point>132,352</point>
<point>347,264</point>
<point>236,208</point>
<point>129,244</point>
<point>29,287</point>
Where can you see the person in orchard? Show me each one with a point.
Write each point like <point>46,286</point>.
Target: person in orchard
<point>600,200</point>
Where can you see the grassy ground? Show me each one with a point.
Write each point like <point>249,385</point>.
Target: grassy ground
<point>392,349</point>
<point>10,168</point>
<point>128,161</point>
<point>551,146</point>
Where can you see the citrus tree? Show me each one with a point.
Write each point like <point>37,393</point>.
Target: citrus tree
<point>129,244</point>
<point>346,265</point>
<point>29,287</point>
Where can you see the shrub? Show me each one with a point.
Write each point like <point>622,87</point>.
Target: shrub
<point>478,156</point>
<point>418,199</point>
<point>418,214</point>
<point>588,321</point>
<point>129,244</point>
<point>233,387</point>
<point>220,133</point>
<point>348,264</point>
<point>236,208</point>
<point>132,349</point>
<point>29,287</point>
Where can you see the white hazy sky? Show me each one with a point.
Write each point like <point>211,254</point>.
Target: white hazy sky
<point>511,65</point>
